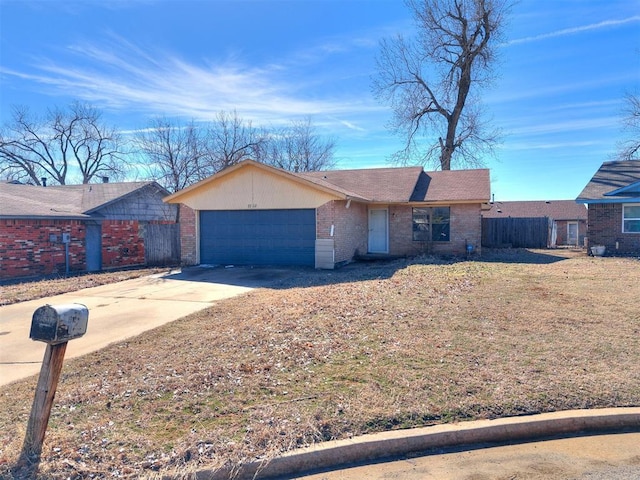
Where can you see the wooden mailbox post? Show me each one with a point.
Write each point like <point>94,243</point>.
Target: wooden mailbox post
<point>54,325</point>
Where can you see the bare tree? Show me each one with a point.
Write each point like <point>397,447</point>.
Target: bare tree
<point>430,79</point>
<point>230,139</point>
<point>174,154</point>
<point>299,148</point>
<point>64,145</point>
<point>630,149</point>
<point>178,156</point>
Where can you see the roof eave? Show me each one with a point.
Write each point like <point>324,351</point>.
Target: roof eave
<point>45,217</point>
<point>174,198</point>
<point>450,202</point>
<point>608,200</point>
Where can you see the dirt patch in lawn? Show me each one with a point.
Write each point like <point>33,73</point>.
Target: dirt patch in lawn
<point>363,349</point>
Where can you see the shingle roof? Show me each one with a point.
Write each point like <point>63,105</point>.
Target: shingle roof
<point>61,201</point>
<point>556,209</point>
<point>378,185</point>
<point>453,186</point>
<point>408,184</point>
<point>375,184</point>
<point>613,182</point>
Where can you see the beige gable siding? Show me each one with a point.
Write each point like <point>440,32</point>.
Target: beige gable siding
<point>254,188</point>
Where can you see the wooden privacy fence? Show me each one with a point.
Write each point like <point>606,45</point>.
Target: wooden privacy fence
<point>515,232</point>
<point>162,244</point>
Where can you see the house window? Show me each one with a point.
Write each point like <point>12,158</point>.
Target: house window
<point>421,231</point>
<point>431,224</point>
<point>631,218</point>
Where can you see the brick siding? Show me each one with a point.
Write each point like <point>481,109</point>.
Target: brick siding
<point>188,236</point>
<point>465,227</point>
<point>562,230</point>
<point>26,249</point>
<point>349,228</point>
<point>122,244</point>
<point>605,228</point>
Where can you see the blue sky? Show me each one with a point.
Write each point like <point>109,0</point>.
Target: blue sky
<point>558,95</point>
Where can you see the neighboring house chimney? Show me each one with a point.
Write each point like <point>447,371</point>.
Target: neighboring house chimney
<point>44,181</point>
<point>105,179</point>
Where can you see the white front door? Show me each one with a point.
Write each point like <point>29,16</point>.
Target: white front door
<point>378,231</point>
<point>572,233</point>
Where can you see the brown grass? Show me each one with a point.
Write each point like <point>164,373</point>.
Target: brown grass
<point>22,291</point>
<point>358,350</point>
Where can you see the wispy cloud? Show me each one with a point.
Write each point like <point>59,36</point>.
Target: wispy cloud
<point>575,30</point>
<point>120,75</point>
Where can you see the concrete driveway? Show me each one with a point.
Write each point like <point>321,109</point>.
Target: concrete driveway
<point>121,310</point>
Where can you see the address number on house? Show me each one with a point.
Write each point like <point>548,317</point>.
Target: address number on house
<point>252,205</point>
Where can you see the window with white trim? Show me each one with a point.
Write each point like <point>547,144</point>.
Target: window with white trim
<point>631,218</point>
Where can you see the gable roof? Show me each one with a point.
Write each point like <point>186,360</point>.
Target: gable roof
<point>374,184</point>
<point>555,209</point>
<point>380,185</point>
<point>614,182</point>
<point>63,201</point>
<point>453,186</point>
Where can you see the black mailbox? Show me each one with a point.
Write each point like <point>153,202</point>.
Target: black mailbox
<point>54,324</point>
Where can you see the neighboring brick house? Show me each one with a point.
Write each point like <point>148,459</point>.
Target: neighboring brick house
<point>77,228</point>
<point>568,219</point>
<point>255,214</point>
<point>613,202</point>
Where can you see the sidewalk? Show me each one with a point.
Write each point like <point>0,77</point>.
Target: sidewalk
<point>595,457</point>
<point>335,458</point>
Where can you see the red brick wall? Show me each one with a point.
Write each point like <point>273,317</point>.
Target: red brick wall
<point>122,244</point>
<point>605,228</point>
<point>25,249</point>
<point>188,236</point>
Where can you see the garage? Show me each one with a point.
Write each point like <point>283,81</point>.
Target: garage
<point>258,237</point>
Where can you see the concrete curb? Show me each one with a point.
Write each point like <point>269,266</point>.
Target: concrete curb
<point>329,455</point>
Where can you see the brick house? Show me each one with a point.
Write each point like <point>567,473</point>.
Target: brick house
<point>78,228</point>
<point>613,201</point>
<point>255,214</point>
<point>568,219</point>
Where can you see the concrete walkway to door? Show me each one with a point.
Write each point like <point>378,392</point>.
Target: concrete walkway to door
<point>121,310</point>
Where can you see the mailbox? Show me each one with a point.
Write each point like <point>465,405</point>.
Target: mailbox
<point>54,324</point>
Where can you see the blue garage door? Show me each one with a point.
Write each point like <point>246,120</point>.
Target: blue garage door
<point>258,237</point>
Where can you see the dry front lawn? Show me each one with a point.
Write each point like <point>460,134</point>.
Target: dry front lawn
<point>335,354</point>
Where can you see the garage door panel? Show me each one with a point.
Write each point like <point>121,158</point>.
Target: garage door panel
<point>258,237</point>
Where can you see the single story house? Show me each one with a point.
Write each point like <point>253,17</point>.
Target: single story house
<point>78,228</point>
<point>255,214</point>
<point>568,219</point>
<point>613,202</point>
